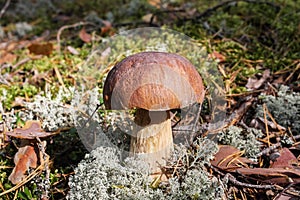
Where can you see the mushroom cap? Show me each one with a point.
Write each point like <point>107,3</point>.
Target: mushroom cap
<point>154,81</point>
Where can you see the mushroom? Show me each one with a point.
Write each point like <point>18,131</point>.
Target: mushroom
<point>153,83</point>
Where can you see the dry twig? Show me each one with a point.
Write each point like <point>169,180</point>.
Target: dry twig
<point>268,150</point>
<point>4,8</point>
<point>234,181</point>
<point>67,27</point>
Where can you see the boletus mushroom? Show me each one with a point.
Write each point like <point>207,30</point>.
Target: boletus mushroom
<point>153,83</point>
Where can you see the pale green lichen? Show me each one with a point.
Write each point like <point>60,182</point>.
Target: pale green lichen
<point>242,139</point>
<point>197,184</point>
<point>103,175</point>
<point>285,108</point>
<point>52,111</point>
<point>193,181</point>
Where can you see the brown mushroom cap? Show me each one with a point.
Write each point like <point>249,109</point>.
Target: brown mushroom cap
<point>153,81</point>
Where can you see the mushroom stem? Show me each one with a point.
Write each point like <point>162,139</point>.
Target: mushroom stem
<point>152,140</point>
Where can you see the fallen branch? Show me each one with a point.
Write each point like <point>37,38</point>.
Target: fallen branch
<point>234,181</point>
<point>268,150</point>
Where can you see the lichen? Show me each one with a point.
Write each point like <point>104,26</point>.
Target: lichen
<point>52,111</point>
<point>193,181</point>
<point>103,175</point>
<point>242,139</point>
<point>197,184</point>
<point>284,108</point>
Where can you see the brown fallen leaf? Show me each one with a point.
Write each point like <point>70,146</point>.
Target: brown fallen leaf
<point>41,48</point>
<point>155,3</point>
<point>285,160</point>
<point>285,197</point>
<point>279,79</point>
<point>84,36</point>
<point>254,83</point>
<point>7,58</point>
<point>218,56</point>
<point>31,130</point>
<point>38,78</point>
<point>107,28</point>
<point>229,158</point>
<point>238,113</point>
<point>25,157</point>
<point>12,45</point>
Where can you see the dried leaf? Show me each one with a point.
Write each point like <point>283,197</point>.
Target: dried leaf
<point>285,160</point>
<point>72,50</point>
<point>25,157</point>
<point>7,58</point>
<point>12,45</point>
<point>218,56</point>
<point>31,130</point>
<point>254,83</point>
<point>285,197</point>
<point>280,80</point>
<point>149,18</point>
<point>38,78</point>
<point>84,36</point>
<point>272,175</point>
<point>229,157</point>
<point>155,3</point>
<point>19,101</point>
<point>240,112</point>
<point>41,49</point>
<point>106,28</point>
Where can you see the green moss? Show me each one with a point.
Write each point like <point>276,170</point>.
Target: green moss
<point>265,31</point>
<point>8,94</point>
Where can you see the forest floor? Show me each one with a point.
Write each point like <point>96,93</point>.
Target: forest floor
<point>254,48</point>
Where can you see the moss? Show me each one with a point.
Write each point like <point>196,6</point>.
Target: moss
<point>266,31</point>
<point>8,94</point>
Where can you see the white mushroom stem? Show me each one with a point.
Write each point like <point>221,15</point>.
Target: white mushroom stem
<point>152,139</point>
